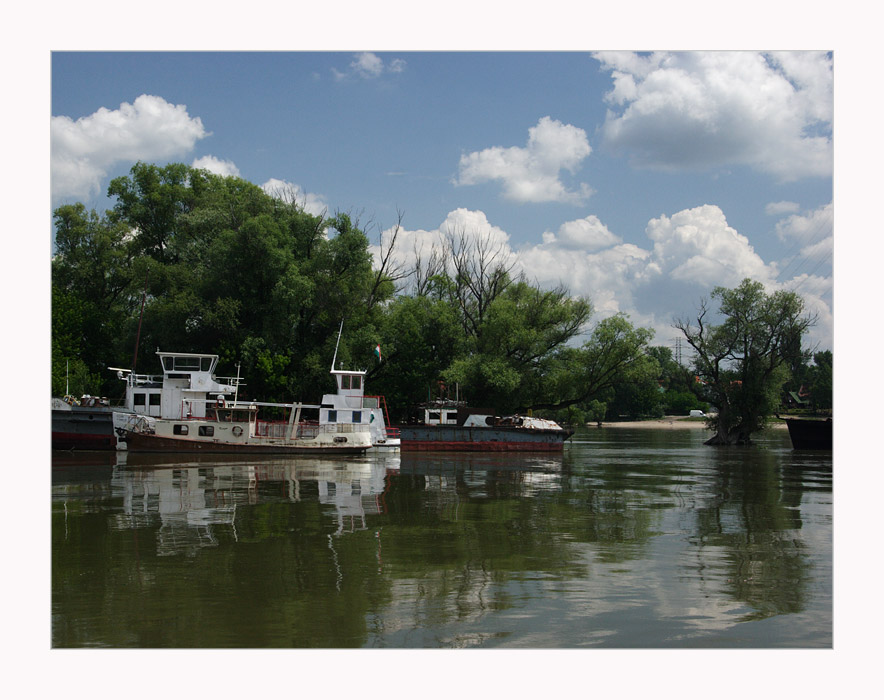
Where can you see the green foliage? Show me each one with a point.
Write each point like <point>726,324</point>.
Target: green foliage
<point>222,267</point>
<point>820,381</point>
<point>743,362</point>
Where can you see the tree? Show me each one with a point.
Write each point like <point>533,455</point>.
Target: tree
<point>515,346</point>
<point>741,364</point>
<point>615,352</point>
<point>820,380</point>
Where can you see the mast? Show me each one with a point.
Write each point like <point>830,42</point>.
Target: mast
<point>340,330</point>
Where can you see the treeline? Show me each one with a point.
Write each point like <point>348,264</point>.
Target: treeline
<point>189,261</point>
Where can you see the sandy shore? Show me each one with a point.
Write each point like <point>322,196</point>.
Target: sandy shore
<point>670,423</point>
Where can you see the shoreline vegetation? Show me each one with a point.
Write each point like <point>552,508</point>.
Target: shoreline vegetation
<point>671,423</point>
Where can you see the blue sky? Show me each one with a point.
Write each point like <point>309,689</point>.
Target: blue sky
<point>639,180</point>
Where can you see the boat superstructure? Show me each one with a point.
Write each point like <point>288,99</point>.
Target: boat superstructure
<point>350,406</point>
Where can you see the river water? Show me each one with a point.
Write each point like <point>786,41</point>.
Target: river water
<point>632,538</point>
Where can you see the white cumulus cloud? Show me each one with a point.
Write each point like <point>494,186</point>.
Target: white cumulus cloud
<point>370,65</point>
<point>532,173</point>
<point>697,246</point>
<point>699,110</point>
<point>814,235</point>
<point>83,151</point>
<point>584,234</point>
<point>217,166</point>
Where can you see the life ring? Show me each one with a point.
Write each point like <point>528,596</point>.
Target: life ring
<point>237,430</point>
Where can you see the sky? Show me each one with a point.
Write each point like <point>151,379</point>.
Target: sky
<point>638,180</point>
<point>629,178</point>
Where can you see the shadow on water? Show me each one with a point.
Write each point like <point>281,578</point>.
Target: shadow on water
<point>627,539</point>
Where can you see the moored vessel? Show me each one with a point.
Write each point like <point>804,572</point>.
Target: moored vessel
<point>452,425</point>
<point>810,433</point>
<point>188,409</point>
<point>86,423</point>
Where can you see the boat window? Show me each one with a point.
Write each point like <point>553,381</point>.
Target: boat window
<point>332,416</point>
<point>206,430</point>
<point>345,381</point>
<point>154,399</point>
<point>179,429</point>
<point>139,398</point>
<point>187,363</point>
<point>357,416</point>
<point>356,383</point>
<point>206,364</point>
<point>433,415</point>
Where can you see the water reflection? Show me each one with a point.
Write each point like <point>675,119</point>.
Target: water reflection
<point>645,539</point>
<point>188,502</point>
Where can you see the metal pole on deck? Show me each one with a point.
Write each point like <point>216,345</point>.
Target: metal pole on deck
<point>140,318</point>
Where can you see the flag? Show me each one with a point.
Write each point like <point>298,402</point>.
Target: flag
<point>377,351</point>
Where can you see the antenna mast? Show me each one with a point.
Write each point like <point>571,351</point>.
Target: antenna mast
<point>340,330</point>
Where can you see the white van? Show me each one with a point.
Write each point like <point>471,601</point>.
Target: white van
<point>697,414</point>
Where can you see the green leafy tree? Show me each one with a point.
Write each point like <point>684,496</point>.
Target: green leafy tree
<point>742,362</point>
<point>516,347</point>
<point>93,297</point>
<point>820,381</point>
<point>616,352</point>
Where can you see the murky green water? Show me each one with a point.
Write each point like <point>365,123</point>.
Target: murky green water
<point>630,539</point>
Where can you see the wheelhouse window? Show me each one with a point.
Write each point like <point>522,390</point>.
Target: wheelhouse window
<point>332,416</point>
<point>179,429</point>
<point>357,416</point>
<point>139,398</point>
<point>206,430</point>
<point>351,381</point>
<point>154,399</point>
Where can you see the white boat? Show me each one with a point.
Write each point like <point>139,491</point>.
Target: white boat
<point>189,409</point>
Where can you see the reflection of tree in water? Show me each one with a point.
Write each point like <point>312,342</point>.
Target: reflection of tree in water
<point>749,535</point>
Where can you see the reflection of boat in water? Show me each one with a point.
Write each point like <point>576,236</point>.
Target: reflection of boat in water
<point>451,425</point>
<point>810,433</point>
<point>191,499</point>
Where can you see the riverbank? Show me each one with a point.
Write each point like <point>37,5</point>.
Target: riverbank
<point>671,423</point>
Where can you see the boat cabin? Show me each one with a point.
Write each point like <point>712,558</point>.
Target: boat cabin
<point>187,386</point>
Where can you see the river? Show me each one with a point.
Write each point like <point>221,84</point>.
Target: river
<point>630,539</point>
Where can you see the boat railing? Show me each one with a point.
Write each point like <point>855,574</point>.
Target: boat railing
<point>280,429</point>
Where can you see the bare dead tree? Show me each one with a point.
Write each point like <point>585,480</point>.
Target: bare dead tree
<point>389,269</point>
<point>481,272</point>
<point>425,269</point>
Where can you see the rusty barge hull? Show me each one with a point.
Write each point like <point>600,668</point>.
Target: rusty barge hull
<point>83,429</point>
<point>480,439</point>
<point>140,442</point>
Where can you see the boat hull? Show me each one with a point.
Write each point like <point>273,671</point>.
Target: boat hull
<point>83,429</point>
<point>808,434</point>
<point>480,439</point>
<point>141,442</point>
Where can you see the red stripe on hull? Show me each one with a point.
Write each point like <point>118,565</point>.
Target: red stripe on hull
<point>152,443</point>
